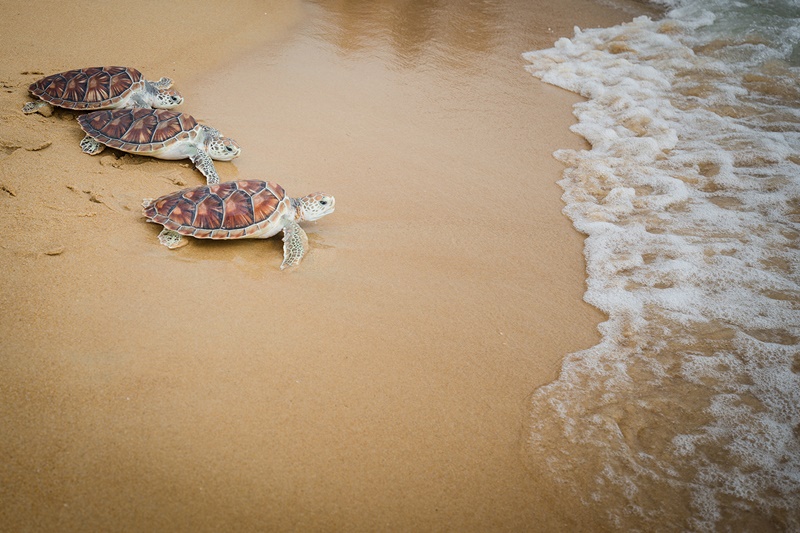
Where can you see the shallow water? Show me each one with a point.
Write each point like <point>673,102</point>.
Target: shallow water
<point>687,414</point>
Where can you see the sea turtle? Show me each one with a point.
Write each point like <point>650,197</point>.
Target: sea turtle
<point>246,209</point>
<point>159,133</point>
<point>100,88</point>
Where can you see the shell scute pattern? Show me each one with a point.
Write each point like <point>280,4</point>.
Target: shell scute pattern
<point>97,87</point>
<point>75,89</point>
<point>164,205</point>
<point>276,189</point>
<point>87,88</point>
<point>164,130</point>
<point>122,79</point>
<point>113,143</point>
<point>209,213</point>
<point>222,211</point>
<point>111,126</point>
<point>195,195</point>
<point>223,190</point>
<point>238,211</point>
<point>171,224</point>
<point>252,187</point>
<point>187,121</point>
<point>141,130</point>
<point>138,129</point>
<point>183,212</point>
<point>264,205</point>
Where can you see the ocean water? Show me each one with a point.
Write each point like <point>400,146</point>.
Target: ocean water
<point>686,416</point>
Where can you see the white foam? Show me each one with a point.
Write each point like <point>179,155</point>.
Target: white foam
<point>689,199</point>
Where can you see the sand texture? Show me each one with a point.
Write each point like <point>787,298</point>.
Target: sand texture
<point>382,384</point>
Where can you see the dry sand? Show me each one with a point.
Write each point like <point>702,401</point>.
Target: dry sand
<point>383,384</point>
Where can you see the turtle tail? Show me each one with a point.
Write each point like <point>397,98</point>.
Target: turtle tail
<point>147,207</point>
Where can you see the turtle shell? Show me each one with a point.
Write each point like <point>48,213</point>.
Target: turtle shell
<point>88,88</point>
<point>231,210</point>
<point>138,130</point>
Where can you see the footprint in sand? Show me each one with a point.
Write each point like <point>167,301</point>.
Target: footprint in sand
<point>98,198</point>
<point>110,161</point>
<point>8,147</point>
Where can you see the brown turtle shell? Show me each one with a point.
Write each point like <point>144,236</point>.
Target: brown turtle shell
<point>88,88</point>
<point>231,210</point>
<point>138,130</point>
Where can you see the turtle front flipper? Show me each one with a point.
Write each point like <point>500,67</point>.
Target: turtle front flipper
<point>91,146</point>
<point>205,165</point>
<point>163,83</point>
<point>212,133</point>
<point>295,245</point>
<point>171,239</point>
<point>43,108</point>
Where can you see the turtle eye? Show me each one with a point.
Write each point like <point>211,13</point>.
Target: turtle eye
<point>323,202</point>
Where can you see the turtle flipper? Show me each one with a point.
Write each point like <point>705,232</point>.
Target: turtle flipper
<point>295,245</point>
<point>90,146</point>
<point>205,165</point>
<point>43,108</point>
<point>171,239</point>
<point>213,133</point>
<point>163,83</point>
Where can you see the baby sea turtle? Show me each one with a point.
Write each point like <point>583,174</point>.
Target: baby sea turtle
<point>247,209</point>
<point>100,88</point>
<point>159,133</point>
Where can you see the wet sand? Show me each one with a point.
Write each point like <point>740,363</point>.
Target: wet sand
<point>383,384</point>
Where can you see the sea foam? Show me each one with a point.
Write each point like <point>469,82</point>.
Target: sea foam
<point>687,414</point>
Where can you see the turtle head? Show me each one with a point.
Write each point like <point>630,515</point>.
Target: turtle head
<point>222,148</point>
<point>314,206</point>
<point>167,99</point>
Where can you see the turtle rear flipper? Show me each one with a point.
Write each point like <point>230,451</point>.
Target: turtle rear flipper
<point>91,146</point>
<point>171,239</point>
<point>43,108</point>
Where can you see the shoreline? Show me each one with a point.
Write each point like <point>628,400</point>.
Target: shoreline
<point>384,382</point>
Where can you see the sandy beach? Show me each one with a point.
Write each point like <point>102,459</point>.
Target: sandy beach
<point>382,384</point>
